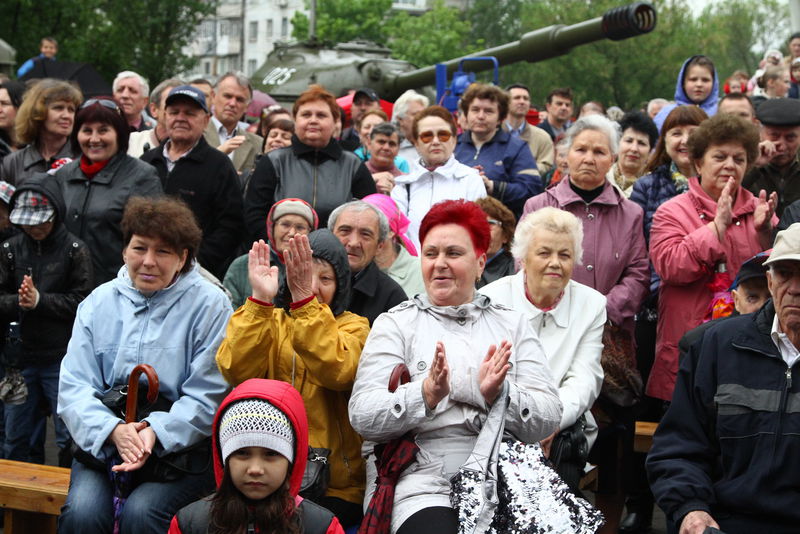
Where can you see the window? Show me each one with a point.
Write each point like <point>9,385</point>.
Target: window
<point>269,28</point>
<point>284,28</point>
<point>253,31</point>
<point>251,66</point>
<point>207,67</point>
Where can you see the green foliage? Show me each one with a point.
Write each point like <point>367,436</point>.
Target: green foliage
<point>345,20</point>
<point>438,35</point>
<point>141,35</point>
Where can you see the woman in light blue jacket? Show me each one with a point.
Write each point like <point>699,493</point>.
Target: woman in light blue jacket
<point>160,311</point>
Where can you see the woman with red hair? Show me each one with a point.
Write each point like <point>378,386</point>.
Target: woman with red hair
<point>459,349</point>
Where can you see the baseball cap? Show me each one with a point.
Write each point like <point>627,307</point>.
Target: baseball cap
<point>369,92</point>
<point>787,245</point>
<point>187,91</point>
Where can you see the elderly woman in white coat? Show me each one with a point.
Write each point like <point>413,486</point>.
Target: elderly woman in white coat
<point>567,316</point>
<point>459,349</point>
<point>438,175</point>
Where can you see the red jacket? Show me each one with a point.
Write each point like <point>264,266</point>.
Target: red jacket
<point>685,253</point>
<point>284,397</point>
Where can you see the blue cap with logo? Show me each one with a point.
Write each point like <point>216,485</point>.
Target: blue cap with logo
<point>187,91</point>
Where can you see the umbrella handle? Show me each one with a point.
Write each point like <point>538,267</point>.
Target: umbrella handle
<point>400,375</point>
<point>133,389</point>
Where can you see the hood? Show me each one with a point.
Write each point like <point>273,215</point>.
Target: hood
<point>270,224</point>
<point>284,397</point>
<point>709,105</point>
<point>46,185</point>
<point>326,246</point>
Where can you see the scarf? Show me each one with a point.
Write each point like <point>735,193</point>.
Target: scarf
<point>91,169</point>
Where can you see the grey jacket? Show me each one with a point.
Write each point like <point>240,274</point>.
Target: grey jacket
<point>94,207</point>
<point>408,334</point>
<point>21,165</point>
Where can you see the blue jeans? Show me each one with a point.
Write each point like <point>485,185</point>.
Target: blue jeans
<point>23,420</point>
<point>149,508</point>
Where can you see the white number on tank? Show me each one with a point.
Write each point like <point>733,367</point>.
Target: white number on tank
<point>278,76</point>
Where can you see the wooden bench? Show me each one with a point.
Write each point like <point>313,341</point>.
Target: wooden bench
<point>32,496</point>
<point>644,436</point>
<point>589,478</point>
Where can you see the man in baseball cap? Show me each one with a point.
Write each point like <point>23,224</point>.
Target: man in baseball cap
<point>777,169</point>
<point>364,99</point>
<point>201,176</point>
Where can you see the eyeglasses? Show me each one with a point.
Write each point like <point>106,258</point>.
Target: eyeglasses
<point>495,222</point>
<point>298,228</point>
<point>443,136</point>
<point>106,103</point>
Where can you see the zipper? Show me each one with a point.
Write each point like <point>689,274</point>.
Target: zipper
<point>143,330</point>
<point>314,187</point>
<point>784,401</point>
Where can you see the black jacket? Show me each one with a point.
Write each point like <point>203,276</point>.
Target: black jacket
<point>325,178</point>
<point>374,292</point>
<point>502,264</point>
<point>206,180</point>
<point>728,443</point>
<point>61,268</point>
<point>785,182</point>
<point>94,207</point>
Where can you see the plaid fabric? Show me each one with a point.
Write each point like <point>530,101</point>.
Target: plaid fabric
<point>31,208</point>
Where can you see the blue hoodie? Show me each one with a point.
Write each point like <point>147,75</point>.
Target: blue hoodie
<point>709,105</point>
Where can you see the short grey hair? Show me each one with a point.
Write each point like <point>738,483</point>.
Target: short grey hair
<point>130,74</point>
<point>240,78</point>
<point>385,128</point>
<point>549,218</point>
<point>656,102</point>
<point>172,83</point>
<point>597,123</point>
<point>401,104</point>
<point>360,206</point>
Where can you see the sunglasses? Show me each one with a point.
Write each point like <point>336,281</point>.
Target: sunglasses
<point>443,135</point>
<point>106,103</point>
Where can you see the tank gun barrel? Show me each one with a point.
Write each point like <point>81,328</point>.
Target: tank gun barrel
<point>545,43</point>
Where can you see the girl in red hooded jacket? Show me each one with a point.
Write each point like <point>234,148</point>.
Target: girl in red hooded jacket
<point>260,450</point>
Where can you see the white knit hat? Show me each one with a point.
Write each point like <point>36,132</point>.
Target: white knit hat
<point>255,423</point>
<point>291,206</point>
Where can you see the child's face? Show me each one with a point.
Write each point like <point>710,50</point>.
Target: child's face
<point>38,231</point>
<point>698,83</point>
<point>257,472</point>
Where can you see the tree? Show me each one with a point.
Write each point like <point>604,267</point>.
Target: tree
<point>339,21</point>
<point>438,35</point>
<point>113,35</point>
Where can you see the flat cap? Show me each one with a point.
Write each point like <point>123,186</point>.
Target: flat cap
<point>779,112</point>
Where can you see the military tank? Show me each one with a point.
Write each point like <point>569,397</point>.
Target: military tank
<point>291,68</point>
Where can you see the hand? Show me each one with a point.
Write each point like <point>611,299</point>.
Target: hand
<point>547,442</point>
<point>263,278</point>
<point>696,522</point>
<point>148,437</point>
<point>437,385</point>
<point>724,215</point>
<point>384,182</point>
<point>125,438</point>
<point>765,209</point>
<point>232,144</point>
<point>488,184</point>
<point>28,294</point>
<point>298,268</point>
<point>493,370</point>
<point>766,151</point>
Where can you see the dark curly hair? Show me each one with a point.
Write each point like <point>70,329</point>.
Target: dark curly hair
<point>165,218</point>
<point>725,128</point>
<point>485,92</point>
<point>640,122</point>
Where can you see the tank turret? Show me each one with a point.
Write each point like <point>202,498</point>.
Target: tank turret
<point>290,69</point>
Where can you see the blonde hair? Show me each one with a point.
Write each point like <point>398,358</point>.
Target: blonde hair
<point>33,112</point>
<point>549,218</point>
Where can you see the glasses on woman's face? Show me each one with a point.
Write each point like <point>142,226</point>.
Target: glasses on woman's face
<point>495,222</point>
<point>106,103</point>
<point>443,136</point>
<point>298,228</point>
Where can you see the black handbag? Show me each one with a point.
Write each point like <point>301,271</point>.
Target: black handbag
<point>568,453</point>
<point>317,474</point>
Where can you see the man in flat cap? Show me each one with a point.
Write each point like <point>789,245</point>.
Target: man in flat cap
<point>725,453</point>
<point>777,169</point>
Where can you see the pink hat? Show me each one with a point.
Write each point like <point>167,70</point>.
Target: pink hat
<point>398,222</point>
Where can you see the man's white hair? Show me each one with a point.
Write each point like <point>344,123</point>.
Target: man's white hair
<point>130,74</point>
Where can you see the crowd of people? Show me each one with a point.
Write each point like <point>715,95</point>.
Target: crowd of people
<point>280,277</point>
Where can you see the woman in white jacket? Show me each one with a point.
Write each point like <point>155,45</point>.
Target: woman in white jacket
<point>459,349</point>
<point>567,316</point>
<point>438,176</point>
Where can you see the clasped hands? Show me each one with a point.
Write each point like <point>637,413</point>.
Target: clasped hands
<point>134,443</point>
<point>491,374</point>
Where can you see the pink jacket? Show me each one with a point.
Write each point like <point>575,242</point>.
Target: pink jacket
<point>614,251</point>
<point>685,254</point>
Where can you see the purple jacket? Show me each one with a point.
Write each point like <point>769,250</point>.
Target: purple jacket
<point>615,259</point>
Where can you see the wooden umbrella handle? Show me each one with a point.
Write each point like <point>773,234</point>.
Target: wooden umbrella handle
<point>133,389</point>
